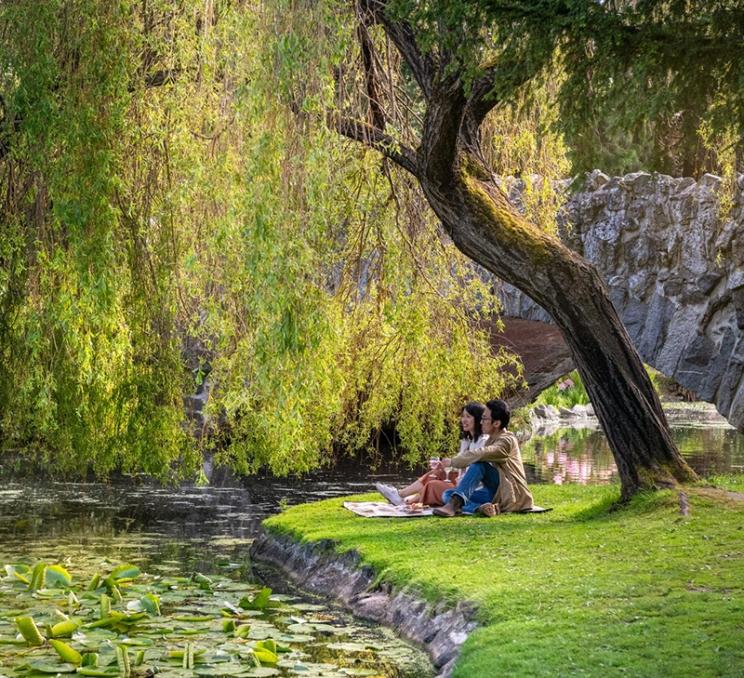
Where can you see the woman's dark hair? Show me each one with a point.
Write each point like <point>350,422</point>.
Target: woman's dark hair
<point>476,411</point>
<point>499,411</point>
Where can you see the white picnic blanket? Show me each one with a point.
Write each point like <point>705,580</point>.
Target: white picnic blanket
<point>381,509</point>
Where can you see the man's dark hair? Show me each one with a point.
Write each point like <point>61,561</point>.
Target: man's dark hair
<point>499,411</point>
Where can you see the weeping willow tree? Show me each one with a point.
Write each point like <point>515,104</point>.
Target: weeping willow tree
<point>172,205</point>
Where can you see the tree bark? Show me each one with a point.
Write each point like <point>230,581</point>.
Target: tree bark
<point>490,231</point>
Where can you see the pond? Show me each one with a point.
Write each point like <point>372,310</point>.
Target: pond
<point>170,535</point>
<point>581,454</point>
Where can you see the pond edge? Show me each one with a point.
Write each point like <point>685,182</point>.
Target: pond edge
<point>316,567</point>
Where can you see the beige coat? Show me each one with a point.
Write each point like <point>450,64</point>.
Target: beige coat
<point>502,451</point>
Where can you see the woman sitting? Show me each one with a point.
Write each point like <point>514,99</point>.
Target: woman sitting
<point>429,488</point>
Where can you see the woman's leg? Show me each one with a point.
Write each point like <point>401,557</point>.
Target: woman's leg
<point>433,491</point>
<point>414,488</point>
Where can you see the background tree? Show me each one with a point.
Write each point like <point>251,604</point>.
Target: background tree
<point>165,215</point>
<point>652,85</point>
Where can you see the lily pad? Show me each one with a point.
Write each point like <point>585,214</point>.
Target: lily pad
<point>57,576</point>
<point>349,647</point>
<point>44,667</point>
<point>222,670</point>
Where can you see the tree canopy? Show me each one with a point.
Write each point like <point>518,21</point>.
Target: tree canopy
<point>646,84</point>
<point>166,215</point>
<point>178,205</point>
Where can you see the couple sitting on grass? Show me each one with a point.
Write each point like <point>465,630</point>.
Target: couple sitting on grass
<point>494,481</point>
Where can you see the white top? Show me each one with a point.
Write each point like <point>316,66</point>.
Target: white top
<point>467,445</point>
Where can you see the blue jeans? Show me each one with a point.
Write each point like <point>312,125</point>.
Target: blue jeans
<point>481,472</point>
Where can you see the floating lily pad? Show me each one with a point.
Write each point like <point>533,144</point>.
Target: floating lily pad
<point>222,670</point>
<point>70,605</point>
<point>349,647</point>
<point>308,607</point>
<point>49,667</point>
<point>294,637</point>
<point>320,628</point>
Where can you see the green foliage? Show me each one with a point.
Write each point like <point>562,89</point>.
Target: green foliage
<point>520,140</point>
<point>570,390</point>
<point>81,385</point>
<point>173,201</point>
<point>375,312</point>
<point>577,591</point>
<point>640,83</point>
<point>566,392</point>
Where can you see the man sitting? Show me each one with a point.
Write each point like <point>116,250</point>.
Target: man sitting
<point>495,481</point>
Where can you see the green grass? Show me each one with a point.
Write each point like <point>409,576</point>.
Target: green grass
<point>580,591</point>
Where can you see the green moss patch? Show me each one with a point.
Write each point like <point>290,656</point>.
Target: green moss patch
<point>583,590</point>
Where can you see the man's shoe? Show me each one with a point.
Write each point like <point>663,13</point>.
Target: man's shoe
<point>450,509</point>
<point>488,510</point>
<point>390,493</point>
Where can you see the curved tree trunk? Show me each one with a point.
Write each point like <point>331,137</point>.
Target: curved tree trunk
<point>461,190</point>
<point>489,230</point>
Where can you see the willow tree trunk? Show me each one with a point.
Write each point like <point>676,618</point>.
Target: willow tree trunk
<point>459,186</point>
<point>489,230</point>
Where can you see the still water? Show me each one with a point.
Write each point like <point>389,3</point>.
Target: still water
<point>171,533</point>
<point>581,454</point>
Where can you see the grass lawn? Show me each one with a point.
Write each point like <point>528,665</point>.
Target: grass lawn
<point>581,590</point>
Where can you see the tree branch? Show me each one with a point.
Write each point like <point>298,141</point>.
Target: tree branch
<point>160,78</point>
<point>441,137</point>
<point>375,138</point>
<point>377,114</point>
<point>401,33</point>
<point>5,134</point>
<point>482,98</point>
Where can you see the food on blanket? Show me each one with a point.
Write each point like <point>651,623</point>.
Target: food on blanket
<point>415,507</point>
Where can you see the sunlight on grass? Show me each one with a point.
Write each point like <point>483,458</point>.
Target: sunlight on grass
<point>582,590</point>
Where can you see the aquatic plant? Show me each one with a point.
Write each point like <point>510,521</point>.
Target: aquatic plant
<point>127,623</point>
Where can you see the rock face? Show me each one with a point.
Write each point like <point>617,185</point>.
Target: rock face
<point>440,629</point>
<point>675,271</point>
<point>545,356</point>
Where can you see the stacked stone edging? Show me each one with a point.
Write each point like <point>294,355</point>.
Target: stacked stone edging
<point>675,271</point>
<point>440,629</point>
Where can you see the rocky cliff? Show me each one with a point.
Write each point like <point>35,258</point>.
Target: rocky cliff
<point>675,270</point>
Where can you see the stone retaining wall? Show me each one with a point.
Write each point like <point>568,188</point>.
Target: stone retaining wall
<point>675,272</point>
<point>316,567</point>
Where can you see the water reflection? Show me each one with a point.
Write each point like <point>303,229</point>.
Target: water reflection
<point>581,455</point>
